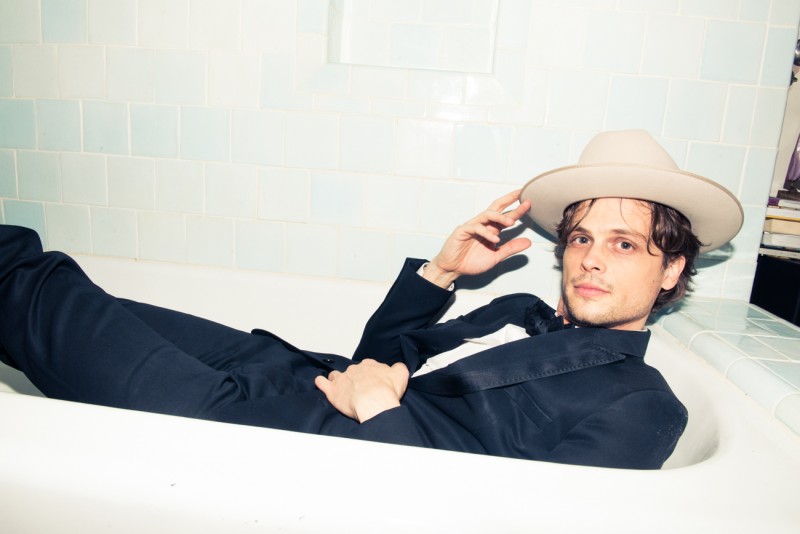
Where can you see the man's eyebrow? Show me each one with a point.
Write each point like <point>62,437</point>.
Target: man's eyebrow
<point>625,232</point>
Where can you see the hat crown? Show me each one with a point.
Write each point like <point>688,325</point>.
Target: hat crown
<point>626,147</point>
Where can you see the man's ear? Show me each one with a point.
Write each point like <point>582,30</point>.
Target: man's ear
<point>672,273</point>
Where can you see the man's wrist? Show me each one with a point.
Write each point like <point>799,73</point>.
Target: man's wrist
<point>438,276</point>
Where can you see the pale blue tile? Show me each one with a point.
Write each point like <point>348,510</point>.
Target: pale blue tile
<point>695,110</point>
<point>752,347</point>
<point>739,115</point>
<point>105,127</point>
<point>8,174</point>
<point>785,12</point>
<point>64,21</point>
<point>722,164</point>
<point>778,57</point>
<point>788,347</point>
<point>277,84</point>
<point>768,117</point>
<point>578,99</point>
<point>20,22</point>
<point>154,130</point>
<point>83,178</point>
<point>232,191</point>
<point>114,232</point>
<point>666,56</point>
<point>59,124</point>
<point>392,203</point>
<point>205,134</point>
<point>755,10</point>
<point>162,236</point>
<point>650,6</point>
<point>414,45</point>
<point>741,270</point>
<point>17,124</point>
<point>364,255</point>
<point>180,77</point>
<point>534,151</point>
<point>6,79</point>
<point>257,137</point>
<point>757,176</point>
<point>180,186</point>
<point>637,103</point>
<point>209,241</point>
<point>614,41</point>
<point>413,246</point>
<point>39,176</point>
<point>312,141</point>
<point>732,51</point>
<point>482,152</point>
<point>458,199</point>
<point>27,214</point>
<point>260,245</point>
<point>131,183</point>
<point>68,228</point>
<point>780,328</point>
<point>337,198</point>
<point>311,249</point>
<point>759,383</point>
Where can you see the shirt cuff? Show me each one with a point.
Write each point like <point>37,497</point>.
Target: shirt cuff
<point>422,269</point>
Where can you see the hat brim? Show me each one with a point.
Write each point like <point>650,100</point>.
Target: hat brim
<point>716,215</point>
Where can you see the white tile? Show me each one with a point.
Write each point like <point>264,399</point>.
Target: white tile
<point>337,198</point>
<point>312,15</point>
<point>81,71</point>
<point>615,41</point>
<point>482,152</point>
<point>450,113</point>
<point>131,183</point>
<point>269,26</point>
<point>364,255</point>
<point>467,50</point>
<point>114,232</point>
<point>392,203</point>
<point>277,84</point>
<point>163,23</point>
<point>257,137</point>
<point>35,71</point>
<point>284,195</point>
<point>83,179</point>
<point>436,86</point>
<point>162,236</point>
<point>768,117</point>
<point>233,78</point>
<point>446,205</point>
<point>231,190</point>
<point>577,100</point>
<point>423,148</point>
<point>112,22</point>
<point>214,25</point>
<point>755,10</point>
<point>367,143</point>
<point>533,107</point>
<point>722,164</point>
<point>710,8</point>
<point>757,176</point>
<point>761,385</point>
<point>716,351</point>
<point>534,151</point>
<point>513,21</point>
<point>20,22</point>
<point>260,245</point>
<point>779,53</point>
<point>739,114</point>
<point>378,83</point>
<point>180,77</point>
<point>209,241</point>
<point>68,228</point>
<point>180,186</point>
<point>788,411</point>
<point>557,37</point>
<point>784,12</point>
<point>130,74</point>
<point>413,246</point>
<point>312,141</point>
<point>311,249</point>
<point>666,56</point>
<point>39,176</point>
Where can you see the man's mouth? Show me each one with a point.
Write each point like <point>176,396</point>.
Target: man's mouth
<point>588,290</point>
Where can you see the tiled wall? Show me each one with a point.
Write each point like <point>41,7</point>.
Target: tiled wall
<point>220,132</point>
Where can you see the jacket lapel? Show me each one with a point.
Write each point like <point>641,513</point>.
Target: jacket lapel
<point>533,358</point>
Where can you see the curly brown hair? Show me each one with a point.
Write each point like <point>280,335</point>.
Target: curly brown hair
<point>670,232</point>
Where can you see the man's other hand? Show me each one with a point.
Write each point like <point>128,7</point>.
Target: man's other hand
<point>365,389</point>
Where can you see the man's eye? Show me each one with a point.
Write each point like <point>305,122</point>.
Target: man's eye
<point>580,239</point>
<point>624,245</point>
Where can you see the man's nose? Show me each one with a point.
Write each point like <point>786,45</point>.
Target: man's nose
<point>594,258</point>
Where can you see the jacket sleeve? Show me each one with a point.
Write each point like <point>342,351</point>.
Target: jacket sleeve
<point>411,303</point>
<point>638,431</point>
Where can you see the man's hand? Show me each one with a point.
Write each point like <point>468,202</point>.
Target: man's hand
<point>365,389</point>
<point>473,248</point>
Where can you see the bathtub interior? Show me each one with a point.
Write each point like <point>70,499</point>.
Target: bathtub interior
<point>250,300</point>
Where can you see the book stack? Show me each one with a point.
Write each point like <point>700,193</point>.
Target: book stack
<point>782,228</point>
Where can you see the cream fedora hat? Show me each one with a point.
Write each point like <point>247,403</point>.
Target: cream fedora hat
<point>631,164</point>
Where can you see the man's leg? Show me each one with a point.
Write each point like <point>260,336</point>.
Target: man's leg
<point>76,342</point>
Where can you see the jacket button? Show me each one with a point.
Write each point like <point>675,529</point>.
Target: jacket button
<point>327,360</point>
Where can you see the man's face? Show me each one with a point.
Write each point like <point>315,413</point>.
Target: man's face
<point>610,279</point>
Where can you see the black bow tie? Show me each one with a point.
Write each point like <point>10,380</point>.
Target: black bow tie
<point>541,319</point>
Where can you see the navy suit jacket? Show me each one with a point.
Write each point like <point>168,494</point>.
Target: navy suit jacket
<point>576,395</point>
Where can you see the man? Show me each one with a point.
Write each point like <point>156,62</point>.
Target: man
<point>512,378</point>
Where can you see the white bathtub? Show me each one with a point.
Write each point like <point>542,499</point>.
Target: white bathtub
<point>67,467</point>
